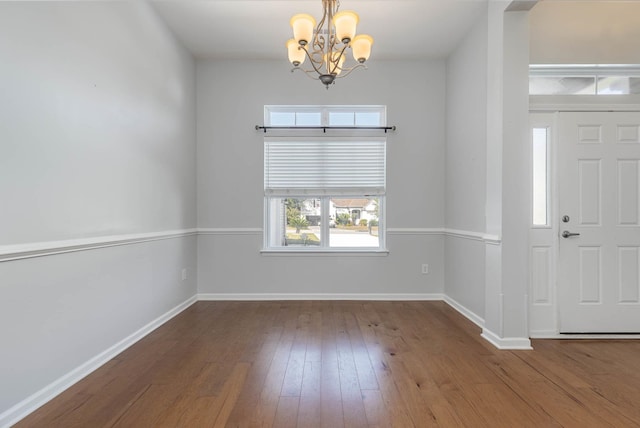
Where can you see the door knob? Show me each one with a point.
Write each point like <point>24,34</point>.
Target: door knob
<point>567,234</point>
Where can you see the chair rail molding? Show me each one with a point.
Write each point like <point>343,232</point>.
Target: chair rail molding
<point>229,230</point>
<point>48,248</point>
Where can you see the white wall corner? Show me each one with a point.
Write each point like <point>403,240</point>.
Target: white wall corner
<point>38,399</point>
<point>469,314</point>
<point>506,343</point>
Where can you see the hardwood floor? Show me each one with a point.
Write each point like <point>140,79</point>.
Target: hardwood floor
<point>351,364</point>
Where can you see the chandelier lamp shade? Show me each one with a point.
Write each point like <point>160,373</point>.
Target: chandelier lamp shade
<point>324,44</point>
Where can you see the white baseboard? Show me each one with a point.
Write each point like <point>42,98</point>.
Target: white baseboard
<point>30,404</point>
<point>320,296</point>
<point>596,336</point>
<point>522,343</point>
<point>472,316</point>
<point>543,334</point>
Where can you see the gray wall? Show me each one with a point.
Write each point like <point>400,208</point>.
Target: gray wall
<point>97,139</point>
<point>466,168</point>
<point>231,99</point>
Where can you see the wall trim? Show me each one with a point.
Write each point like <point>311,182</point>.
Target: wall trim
<point>474,236</point>
<point>415,231</point>
<point>543,334</point>
<point>229,231</point>
<point>583,103</point>
<point>38,399</point>
<point>479,236</point>
<point>492,240</point>
<point>455,233</point>
<point>465,234</point>
<point>48,248</point>
<point>469,314</point>
<point>320,296</point>
<point>519,343</point>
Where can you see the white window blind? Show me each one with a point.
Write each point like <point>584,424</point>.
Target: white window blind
<point>326,166</point>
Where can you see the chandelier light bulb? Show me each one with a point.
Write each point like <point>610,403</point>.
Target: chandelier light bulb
<point>296,54</point>
<point>361,47</point>
<point>303,25</point>
<point>345,23</point>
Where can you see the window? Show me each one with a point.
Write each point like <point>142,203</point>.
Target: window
<point>584,80</point>
<point>562,85</point>
<point>324,191</point>
<point>540,157</point>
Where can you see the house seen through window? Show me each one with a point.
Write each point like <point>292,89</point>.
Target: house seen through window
<point>324,188</point>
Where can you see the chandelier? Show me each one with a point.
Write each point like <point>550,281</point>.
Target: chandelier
<point>325,45</point>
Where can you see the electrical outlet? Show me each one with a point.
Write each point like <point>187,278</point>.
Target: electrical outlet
<point>184,274</point>
<point>425,268</point>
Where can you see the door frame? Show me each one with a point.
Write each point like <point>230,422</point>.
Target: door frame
<point>544,247</point>
<point>543,240</point>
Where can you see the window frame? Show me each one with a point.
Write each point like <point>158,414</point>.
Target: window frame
<point>325,197</point>
<point>325,239</point>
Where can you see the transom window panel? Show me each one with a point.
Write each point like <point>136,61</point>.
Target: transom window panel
<point>292,118</point>
<point>325,191</point>
<point>584,80</point>
<point>355,118</point>
<point>350,116</point>
<point>562,85</point>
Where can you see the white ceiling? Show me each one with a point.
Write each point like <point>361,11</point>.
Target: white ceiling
<point>258,29</point>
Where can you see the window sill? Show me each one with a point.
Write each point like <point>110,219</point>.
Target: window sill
<point>326,252</point>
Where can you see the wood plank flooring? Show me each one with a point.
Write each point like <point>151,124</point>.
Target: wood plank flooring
<point>348,364</point>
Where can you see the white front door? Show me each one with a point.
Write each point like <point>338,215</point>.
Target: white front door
<point>599,208</point>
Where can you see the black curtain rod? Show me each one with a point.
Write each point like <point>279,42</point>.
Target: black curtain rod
<point>324,128</point>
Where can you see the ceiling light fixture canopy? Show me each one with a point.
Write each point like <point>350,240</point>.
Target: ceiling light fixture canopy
<point>325,44</point>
